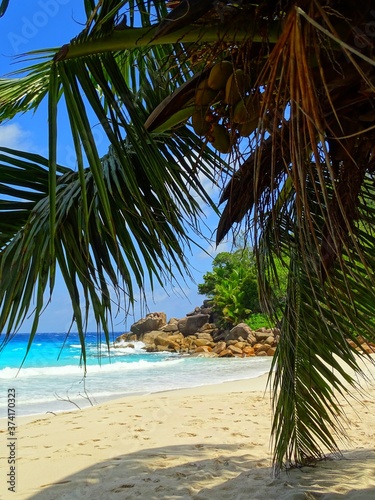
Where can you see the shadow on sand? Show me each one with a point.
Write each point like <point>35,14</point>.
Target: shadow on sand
<point>185,472</point>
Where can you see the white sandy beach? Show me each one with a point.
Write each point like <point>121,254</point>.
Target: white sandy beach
<point>211,442</point>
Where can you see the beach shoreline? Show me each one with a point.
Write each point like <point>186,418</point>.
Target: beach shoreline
<point>204,442</point>
<point>260,385</point>
<point>59,385</point>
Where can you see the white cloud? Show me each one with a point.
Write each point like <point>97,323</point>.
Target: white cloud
<point>14,137</point>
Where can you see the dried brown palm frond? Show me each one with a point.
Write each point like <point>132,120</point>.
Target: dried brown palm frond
<point>311,109</point>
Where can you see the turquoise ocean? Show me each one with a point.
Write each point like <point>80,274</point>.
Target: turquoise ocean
<point>52,379</point>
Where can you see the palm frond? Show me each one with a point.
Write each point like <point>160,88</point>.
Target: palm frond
<point>119,220</point>
<point>320,327</point>
<point>3,7</point>
<point>26,88</point>
<point>149,234</point>
<point>303,188</point>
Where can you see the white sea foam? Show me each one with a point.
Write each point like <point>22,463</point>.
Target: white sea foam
<point>114,367</point>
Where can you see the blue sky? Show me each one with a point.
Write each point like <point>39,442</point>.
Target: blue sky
<point>41,24</point>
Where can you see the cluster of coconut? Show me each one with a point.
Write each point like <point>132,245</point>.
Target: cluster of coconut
<point>225,107</point>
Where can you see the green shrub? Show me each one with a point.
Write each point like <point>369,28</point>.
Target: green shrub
<point>232,285</point>
<point>256,321</point>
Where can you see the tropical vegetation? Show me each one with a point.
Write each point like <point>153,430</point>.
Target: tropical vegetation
<point>290,137</point>
<point>233,287</point>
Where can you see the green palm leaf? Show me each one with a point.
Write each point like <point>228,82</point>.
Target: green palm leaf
<point>3,7</point>
<point>123,214</point>
<point>148,235</point>
<point>317,324</point>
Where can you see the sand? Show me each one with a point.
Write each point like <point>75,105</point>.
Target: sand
<point>211,442</point>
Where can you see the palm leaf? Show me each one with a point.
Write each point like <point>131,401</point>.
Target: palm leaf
<point>121,216</point>
<point>150,235</point>
<point>3,7</point>
<point>303,188</point>
<point>317,324</point>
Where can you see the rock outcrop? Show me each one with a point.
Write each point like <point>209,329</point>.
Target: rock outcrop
<point>197,335</point>
<point>192,323</point>
<point>152,321</point>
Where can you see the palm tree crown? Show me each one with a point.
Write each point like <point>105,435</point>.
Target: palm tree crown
<point>285,90</point>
